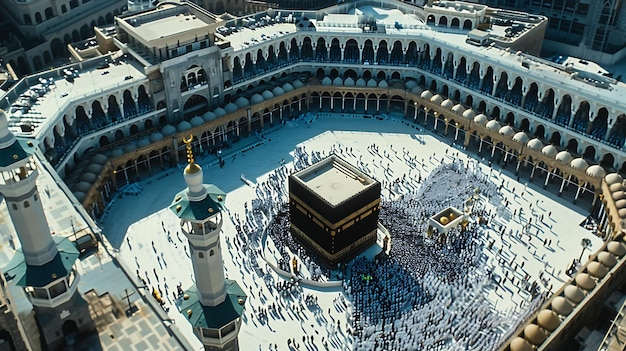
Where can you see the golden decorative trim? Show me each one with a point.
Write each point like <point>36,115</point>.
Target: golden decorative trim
<point>300,205</point>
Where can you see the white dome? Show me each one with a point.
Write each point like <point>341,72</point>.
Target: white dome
<point>80,196</point>
<point>469,114</point>
<point>613,178</point>
<point>256,99</point>
<point>437,99</point>
<point>143,142</point>
<point>447,104</point>
<point>349,82</point>
<point>410,84</point>
<point>579,163</point>
<point>564,157</point>
<point>297,84</point>
<point>242,102</point>
<point>100,159</point>
<point>278,91</point>
<point>481,119</point>
<point>196,121</point>
<point>168,130</point>
<point>596,171</point>
<point>130,147</point>
<point>549,150</point>
<point>416,90</point>
<point>327,81</point>
<point>458,109</point>
<point>426,94</point>
<point>267,95</point>
<point>184,125</point>
<point>383,84</point>
<point>535,144</point>
<point>89,177</point>
<point>117,152</point>
<point>288,87</point>
<point>230,107</point>
<point>521,137</point>
<point>507,131</point>
<point>156,136</point>
<point>337,81</point>
<point>360,82</point>
<point>209,116</point>
<point>219,112</point>
<point>493,125</point>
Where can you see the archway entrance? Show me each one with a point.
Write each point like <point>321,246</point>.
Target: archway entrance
<point>70,332</point>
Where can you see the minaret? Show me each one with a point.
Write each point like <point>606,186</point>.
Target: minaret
<point>213,305</point>
<point>43,266</point>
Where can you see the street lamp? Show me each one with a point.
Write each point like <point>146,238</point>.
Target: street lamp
<point>456,133</point>
<point>415,111</point>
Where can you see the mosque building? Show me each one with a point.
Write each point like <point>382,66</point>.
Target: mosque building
<point>178,70</point>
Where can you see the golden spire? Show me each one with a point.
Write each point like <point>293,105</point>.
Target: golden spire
<point>191,167</point>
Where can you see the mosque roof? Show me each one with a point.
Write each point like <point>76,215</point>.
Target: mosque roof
<point>39,276</point>
<point>216,317</point>
<point>198,210</point>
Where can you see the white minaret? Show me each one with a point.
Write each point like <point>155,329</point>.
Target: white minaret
<point>214,305</point>
<point>19,189</point>
<point>44,266</point>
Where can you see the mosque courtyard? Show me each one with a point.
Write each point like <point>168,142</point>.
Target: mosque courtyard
<point>466,292</point>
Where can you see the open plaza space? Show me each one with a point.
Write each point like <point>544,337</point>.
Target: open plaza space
<point>522,252</point>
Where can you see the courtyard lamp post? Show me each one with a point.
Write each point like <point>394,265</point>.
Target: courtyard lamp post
<point>585,243</point>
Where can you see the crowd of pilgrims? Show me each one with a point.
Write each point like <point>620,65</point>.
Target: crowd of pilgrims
<point>426,291</point>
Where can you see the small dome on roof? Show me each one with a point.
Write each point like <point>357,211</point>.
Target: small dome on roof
<point>130,147</point>
<point>278,91</point>
<point>230,107</point>
<point>493,125</point>
<point>267,95</point>
<point>209,116</point>
<point>584,281</point>
<point>574,294</point>
<point>338,81</point>
<point>607,259</point>
<point>80,196</point>
<point>256,99</point>
<point>100,159</point>
<point>520,344</point>
<point>383,84</point>
<point>89,177</point>
<point>621,203</point>
<point>242,102</point>
<point>534,334</point>
<point>597,270</point>
<point>481,119</point>
<point>507,131</point>
<point>83,186</point>
<point>447,104</point>
<point>426,94</point>
<point>287,87</point>
<point>156,136</point>
<point>616,187</point>
<point>579,164</point>
<point>596,171</point>
<point>94,168</point>
<point>196,121</point>
<point>564,157</point>
<point>535,144</point>
<point>548,320</point>
<point>622,213</point>
<point>521,137</point>
<point>458,109</point>
<point>416,90</point>
<point>617,195</point>
<point>297,84</point>
<point>349,82</point>
<point>613,178</point>
<point>372,83</point>
<point>561,306</point>
<point>219,112</point>
<point>410,84</point>
<point>360,82</point>
<point>327,81</point>
<point>549,150</point>
<point>143,142</point>
<point>184,125</point>
<point>469,114</point>
<point>617,248</point>
<point>437,99</point>
<point>168,130</point>
<point>117,152</point>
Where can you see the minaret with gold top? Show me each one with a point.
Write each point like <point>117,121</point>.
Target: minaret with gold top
<point>213,305</point>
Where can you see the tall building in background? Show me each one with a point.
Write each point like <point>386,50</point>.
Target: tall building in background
<point>213,305</point>
<point>591,29</point>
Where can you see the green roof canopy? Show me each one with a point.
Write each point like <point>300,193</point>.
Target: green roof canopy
<point>198,210</point>
<point>214,317</point>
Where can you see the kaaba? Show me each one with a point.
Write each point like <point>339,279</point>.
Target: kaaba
<point>334,209</point>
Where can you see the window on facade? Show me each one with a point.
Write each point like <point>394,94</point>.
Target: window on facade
<point>58,289</point>
<point>201,254</point>
<point>26,204</point>
<point>211,253</point>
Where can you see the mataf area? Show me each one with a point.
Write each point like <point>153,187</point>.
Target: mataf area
<point>467,291</point>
